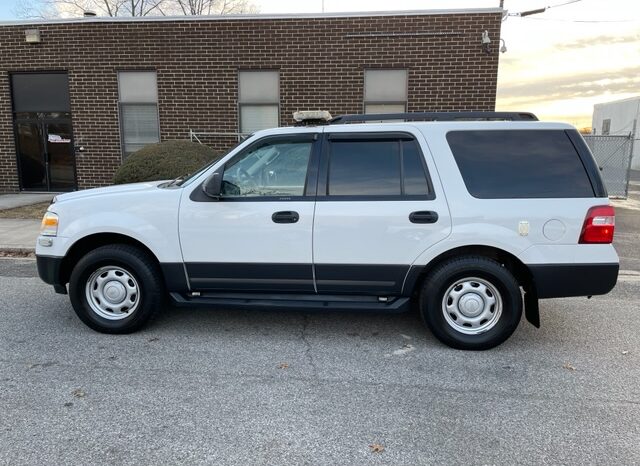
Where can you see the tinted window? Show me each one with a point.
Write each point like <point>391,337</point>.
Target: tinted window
<point>364,168</point>
<point>40,92</point>
<point>415,180</point>
<point>519,164</point>
<point>271,169</point>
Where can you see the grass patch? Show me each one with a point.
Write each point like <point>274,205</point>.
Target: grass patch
<point>28,211</point>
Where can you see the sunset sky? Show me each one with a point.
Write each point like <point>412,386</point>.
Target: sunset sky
<point>558,64</point>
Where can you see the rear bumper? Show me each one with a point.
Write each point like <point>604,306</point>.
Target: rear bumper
<point>49,270</point>
<point>565,280</point>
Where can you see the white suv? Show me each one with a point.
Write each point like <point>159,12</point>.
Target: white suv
<point>470,220</point>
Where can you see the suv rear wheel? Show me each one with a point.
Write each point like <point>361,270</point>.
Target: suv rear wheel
<point>116,289</point>
<point>471,303</point>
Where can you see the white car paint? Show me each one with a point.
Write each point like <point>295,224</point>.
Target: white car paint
<point>342,232</point>
<point>141,211</point>
<point>244,232</point>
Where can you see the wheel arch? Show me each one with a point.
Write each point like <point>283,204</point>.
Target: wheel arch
<point>520,271</point>
<point>93,241</point>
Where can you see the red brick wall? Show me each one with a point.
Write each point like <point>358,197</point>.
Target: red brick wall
<point>321,63</point>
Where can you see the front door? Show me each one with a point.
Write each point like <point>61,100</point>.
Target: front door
<point>43,131</point>
<point>258,236</point>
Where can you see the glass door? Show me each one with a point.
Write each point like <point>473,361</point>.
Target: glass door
<point>46,155</point>
<point>42,123</point>
<point>59,156</point>
<point>33,170</point>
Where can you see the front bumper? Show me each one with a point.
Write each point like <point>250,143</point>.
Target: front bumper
<point>50,271</point>
<point>565,280</point>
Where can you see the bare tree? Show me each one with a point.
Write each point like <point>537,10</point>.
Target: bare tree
<point>214,7</point>
<point>75,8</point>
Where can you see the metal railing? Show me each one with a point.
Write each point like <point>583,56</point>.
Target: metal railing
<point>199,136</point>
<point>613,156</point>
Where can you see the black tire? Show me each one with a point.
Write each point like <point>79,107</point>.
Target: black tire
<point>142,268</point>
<point>464,269</point>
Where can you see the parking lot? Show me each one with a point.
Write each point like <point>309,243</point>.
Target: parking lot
<point>232,387</point>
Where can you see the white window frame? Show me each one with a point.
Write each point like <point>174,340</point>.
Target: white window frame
<point>366,102</point>
<point>123,153</point>
<point>249,103</point>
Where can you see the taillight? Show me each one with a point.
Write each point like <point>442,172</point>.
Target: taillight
<point>598,225</point>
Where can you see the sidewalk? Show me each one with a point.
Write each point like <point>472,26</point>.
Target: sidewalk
<point>18,235</point>
<point>10,201</point>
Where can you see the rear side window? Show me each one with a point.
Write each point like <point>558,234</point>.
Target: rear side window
<point>364,167</point>
<point>513,164</point>
<point>376,167</point>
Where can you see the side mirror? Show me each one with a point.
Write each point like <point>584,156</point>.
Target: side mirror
<point>213,185</point>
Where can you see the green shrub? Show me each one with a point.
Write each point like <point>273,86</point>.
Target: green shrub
<point>164,161</point>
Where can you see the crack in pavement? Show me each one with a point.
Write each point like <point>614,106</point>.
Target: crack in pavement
<point>308,351</point>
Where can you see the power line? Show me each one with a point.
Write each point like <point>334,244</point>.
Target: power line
<point>563,20</point>
<point>527,14</point>
<point>563,4</point>
<point>523,14</point>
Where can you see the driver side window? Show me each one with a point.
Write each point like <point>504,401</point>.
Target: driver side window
<point>277,168</point>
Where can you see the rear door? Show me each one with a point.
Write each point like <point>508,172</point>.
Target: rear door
<point>378,208</point>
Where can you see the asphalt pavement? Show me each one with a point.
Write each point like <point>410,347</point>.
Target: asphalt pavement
<point>279,388</point>
<point>241,388</point>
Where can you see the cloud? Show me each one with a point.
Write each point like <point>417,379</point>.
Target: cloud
<point>604,39</point>
<point>573,86</point>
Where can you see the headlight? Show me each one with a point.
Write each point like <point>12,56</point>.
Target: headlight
<point>49,225</point>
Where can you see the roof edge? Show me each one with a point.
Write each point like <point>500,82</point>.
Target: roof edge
<point>619,101</point>
<point>236,17</point>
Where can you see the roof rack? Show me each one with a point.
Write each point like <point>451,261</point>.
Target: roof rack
<point>436,116</point>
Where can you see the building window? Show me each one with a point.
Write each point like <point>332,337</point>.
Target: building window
<point>606,127</point>
<point>385,91</point>
<point>259,100</point>
<point>138,98</point>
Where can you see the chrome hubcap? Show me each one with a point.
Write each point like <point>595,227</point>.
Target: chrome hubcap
<point>472,306</point>
<point>112,292</point>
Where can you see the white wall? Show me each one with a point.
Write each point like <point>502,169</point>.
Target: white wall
<point>622,114</point>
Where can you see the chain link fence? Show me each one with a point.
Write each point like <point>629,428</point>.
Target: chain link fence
<point>613,156</point>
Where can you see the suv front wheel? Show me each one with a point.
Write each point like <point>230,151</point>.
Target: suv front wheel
<point>116,289</point>
<point>471,303</point>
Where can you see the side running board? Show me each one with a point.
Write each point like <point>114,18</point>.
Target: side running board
<point>291,301</point>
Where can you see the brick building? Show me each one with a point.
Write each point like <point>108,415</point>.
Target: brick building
<point>79,95</point>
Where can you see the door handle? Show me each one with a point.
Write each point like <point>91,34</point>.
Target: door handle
<point>285,216</point>
<point>423,216</point>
